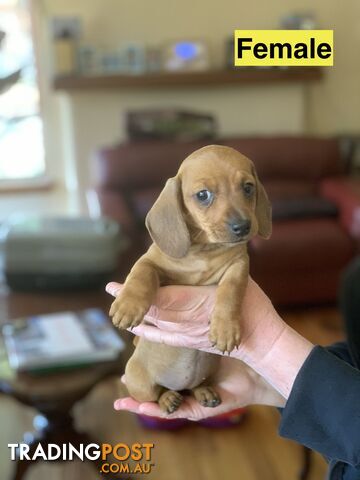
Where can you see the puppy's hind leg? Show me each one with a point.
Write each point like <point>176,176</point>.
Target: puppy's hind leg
<point>206,396</point>
<point>139,383</point>
<point>143,389</point>
<point>170,401</point>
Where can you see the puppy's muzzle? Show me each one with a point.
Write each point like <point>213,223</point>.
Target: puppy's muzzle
<point>240,228</point>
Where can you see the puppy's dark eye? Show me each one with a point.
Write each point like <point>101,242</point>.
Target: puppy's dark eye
<point>249,189</point>
<point>205,197</point>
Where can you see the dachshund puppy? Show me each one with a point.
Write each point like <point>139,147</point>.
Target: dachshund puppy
<point>200,225</point>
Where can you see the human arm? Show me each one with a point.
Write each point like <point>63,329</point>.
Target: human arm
<point>322,411</point>
<point>321,387</point>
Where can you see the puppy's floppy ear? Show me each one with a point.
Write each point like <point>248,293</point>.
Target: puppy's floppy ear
<point>263,209</point>
<point>165,221</point>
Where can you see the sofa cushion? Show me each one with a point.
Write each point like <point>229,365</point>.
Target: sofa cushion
<point>113,205</point>
<point>345,192</point>
<point>282,189</point>
<point>143,200</point>
<point>308,207</point>
<point>307,244</point>
<point>135,165</point>
<point>304,158</point>
<point>302,287</point>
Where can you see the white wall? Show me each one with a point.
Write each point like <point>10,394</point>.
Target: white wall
<point>333,105</point>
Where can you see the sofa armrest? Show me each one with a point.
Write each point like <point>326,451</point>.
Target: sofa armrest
<point>345,193</point>
<point>112,204</point>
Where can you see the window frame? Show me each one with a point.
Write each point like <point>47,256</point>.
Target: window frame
<point>43,181</point>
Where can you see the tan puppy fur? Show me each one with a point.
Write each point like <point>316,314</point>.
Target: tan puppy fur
<point>200,225</point>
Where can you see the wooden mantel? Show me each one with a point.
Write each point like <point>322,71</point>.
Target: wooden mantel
<point>214,78</point>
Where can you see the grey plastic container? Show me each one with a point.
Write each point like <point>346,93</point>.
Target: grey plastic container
<point>60,252</point>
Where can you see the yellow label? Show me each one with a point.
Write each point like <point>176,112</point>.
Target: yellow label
<point>284,48</point>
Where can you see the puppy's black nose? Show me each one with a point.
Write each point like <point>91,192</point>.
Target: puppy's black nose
<point>241,228</point>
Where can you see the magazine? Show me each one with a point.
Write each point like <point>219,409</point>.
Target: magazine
<point>61,339</point>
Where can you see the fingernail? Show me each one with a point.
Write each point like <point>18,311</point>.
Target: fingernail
<point>134,330</point>
<point>111,288</point>
<point>117,405</point>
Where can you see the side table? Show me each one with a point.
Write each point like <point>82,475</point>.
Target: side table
<point>53,397</point>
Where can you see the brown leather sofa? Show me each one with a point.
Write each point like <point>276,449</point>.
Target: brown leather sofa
<point>316,206</point>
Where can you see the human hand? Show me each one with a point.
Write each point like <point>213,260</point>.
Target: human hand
<point>237,384</point>
<point>181,314</point>
<point>180,317</point>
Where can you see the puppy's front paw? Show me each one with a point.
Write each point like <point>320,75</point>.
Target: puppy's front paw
<point>127,312</point>
<point>224,334</point>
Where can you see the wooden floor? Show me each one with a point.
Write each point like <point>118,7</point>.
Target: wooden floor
<point>250,451</point>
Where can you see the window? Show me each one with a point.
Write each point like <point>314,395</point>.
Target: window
<point>21,135</point>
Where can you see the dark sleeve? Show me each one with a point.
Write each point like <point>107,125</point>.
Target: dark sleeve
<point>341,350</point>
<point>323,410</point>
